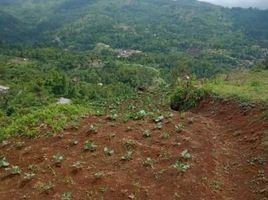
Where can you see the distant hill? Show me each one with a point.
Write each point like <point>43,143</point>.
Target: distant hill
<point>220,37</point>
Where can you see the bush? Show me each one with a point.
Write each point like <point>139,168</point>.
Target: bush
<point>185,97</point>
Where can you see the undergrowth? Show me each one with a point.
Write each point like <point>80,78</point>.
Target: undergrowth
<point>48,120</point>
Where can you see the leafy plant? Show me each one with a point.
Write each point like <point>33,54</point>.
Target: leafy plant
<point>73,142</point>
<point>165,135</point>
<point>15,170</point>
<point>181,166</point>
<point>89,146</point>
<point>109,151</point>
<point>28,176</point>
<point>179,127</point>
<point>148,162</point>
<point>147,133</point>
<point>66,196</point>
<point>158,126</point>
<point>77,165</point>
<point>127,156</point>
<point>99,174</point>
<point>185,154</point>
<point>159,119</point>
<point>3,162</point>
<point>57,159</point>
<point>185,97</point>
<point>93,129</point>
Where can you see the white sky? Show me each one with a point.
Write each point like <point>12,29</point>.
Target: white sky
<point>263,4</point>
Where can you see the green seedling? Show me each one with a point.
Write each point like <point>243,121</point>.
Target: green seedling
<point>190,120</point>
<point>165,135</point>
<point>181,166</point>
<point>159,119</point>
<point>112,117</point>
<point>99,175</point>
<point>158,126</point>
<point>3,163</point>
<point>179,127</point>
<point>185,154</point>
<point>147,133</point>
<point>73,142</point>
<point>127,156</point>
<point>15,170</point>
<point>67,196</point>
<point>57,159</point>
<point>109,151</point>
<point>93,129</point>
<point>90,146</point>
<point>77,165</point>
<point>129,143</point>
<point>44,187</point>
<point>28,176</point>
<point>148,162</point>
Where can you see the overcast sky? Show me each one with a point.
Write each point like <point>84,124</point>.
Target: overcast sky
<point>240,3</point>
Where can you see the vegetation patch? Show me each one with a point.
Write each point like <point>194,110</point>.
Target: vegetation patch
<point>185,97</point>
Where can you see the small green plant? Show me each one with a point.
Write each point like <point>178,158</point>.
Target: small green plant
<point>258,160</point>
<point>66,196</point>
<point>147,133</point>
<point>185,154</point>
<point>99,174</point>
<point>179,127</point>
<point>165,135</point>
<point>137,115</point>
<point>109,151</point>
<point>127,156</point>
<point>73,142</point>
<point>44,187</point>
<point>148,162</point>
<point>93,129</point>
<point>90,146</point>
<point>3,162</point>
<point>129,143</point>
<point>57,159</point>
<point>28,176</point>
<point>19,145</point>
<point>190,120</point>
<point>112,117</point>
<point>77,165</point>
<point>158,126</point>
<point>159,119</point>
<point>181,166</point>
<point>32,168</point>
<point>15,170</point>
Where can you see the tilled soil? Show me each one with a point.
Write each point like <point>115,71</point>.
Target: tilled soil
<point>227,142</point>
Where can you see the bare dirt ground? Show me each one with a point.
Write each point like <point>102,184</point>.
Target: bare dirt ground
<point>227,145</point>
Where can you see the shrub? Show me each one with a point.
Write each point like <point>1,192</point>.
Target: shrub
<point>185,97</point>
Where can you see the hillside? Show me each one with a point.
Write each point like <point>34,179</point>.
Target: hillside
<point>166,31</point>
<point>132,99</point>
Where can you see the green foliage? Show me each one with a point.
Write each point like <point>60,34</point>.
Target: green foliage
<point>3,162</point>
<point>185,97</point>
<point>244,85</point>
<point>90,146</point>
<point>181,166</point>
<point>52,118</point>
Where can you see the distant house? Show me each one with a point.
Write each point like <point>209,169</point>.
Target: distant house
<point>3,89</point>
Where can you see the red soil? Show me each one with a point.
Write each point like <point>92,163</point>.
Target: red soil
<point>228,146</point>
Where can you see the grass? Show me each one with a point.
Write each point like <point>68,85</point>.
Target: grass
<point>244,85</point>
<point>49,120</point>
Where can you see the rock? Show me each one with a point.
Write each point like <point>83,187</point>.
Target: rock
<point>63,100</point>
<point>3,89</point>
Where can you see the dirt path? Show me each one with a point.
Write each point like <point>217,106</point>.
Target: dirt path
<point>227,159</point>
